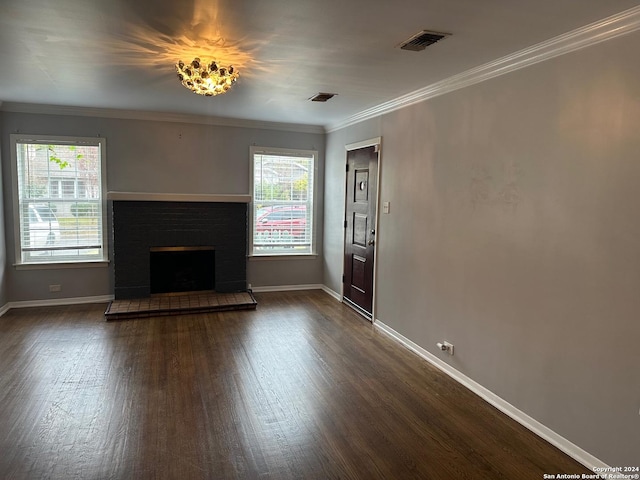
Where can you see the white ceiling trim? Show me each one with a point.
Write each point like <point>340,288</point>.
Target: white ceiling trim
<point>606,29</point>
<point>156,116</point>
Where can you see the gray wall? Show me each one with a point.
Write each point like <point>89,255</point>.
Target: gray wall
<point>162,157</point>
<point>514,234</point>
<point>3,248</point>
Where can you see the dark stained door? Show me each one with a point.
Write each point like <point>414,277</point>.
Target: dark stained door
<point>360,234</point>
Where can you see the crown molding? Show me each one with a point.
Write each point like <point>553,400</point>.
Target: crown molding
<point>39,109</point>
<point>611,27</point>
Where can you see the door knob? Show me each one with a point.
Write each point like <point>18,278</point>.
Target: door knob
<point>371,242</point>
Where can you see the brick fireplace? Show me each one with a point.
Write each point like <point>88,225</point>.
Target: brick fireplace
<point>146,223</point>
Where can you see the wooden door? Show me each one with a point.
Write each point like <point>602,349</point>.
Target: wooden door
<point>360,224</point>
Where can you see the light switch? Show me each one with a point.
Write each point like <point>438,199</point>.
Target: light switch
<point>386,206</point>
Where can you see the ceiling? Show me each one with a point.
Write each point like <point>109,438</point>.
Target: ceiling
<point>120,54</point>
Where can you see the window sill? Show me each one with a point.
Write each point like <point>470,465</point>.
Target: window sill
<point>59,265</point>
<point>286,256</point>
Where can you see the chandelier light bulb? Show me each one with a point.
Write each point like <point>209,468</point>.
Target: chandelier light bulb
<point>206,79</point>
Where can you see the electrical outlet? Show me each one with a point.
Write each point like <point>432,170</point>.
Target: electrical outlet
<point>446,347</point>
<point>55,288</point>
<point>449,347</point>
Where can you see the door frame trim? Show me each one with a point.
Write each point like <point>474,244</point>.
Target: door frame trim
<point>364,144</point>
<point>371,142</point>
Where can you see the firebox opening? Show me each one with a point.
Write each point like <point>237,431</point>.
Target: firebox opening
<point>182,269</point>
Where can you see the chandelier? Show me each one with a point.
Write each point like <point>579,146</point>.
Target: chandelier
<point>206,79</point>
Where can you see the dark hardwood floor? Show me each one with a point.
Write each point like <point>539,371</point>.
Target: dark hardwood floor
<point>300,388</point>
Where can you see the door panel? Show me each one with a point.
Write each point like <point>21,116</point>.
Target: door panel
<point>358,278</point>
<point>360,230</point>
<point>361,193</point>
<point>359,240</point>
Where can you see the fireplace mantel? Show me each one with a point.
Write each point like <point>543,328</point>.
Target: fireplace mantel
<point>177,197</point>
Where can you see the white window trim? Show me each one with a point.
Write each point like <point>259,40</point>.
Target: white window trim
<point>16,138</point>
<point>293,153</point>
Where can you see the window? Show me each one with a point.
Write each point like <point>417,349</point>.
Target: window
<point>59,187</point>
<point>283,202</point>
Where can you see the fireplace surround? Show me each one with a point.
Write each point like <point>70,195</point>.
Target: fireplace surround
<point>146,222</point>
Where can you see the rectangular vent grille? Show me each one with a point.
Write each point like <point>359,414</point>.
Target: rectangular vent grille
<point>322,97</point>
<point>422,40</point>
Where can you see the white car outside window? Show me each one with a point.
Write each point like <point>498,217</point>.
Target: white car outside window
<point>44,229</point>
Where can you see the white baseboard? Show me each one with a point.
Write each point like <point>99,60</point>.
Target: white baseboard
<point>57,302</point>
<point>287,288</point>
<point>578,454</point>
<point>107,298</point>
<point>334,294</point>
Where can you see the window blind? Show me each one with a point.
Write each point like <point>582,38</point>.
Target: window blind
<point>59,201</point>
<point>283,203</point>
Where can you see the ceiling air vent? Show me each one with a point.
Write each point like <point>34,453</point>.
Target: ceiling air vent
<point>322,97</point>
<point>422,40</point>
